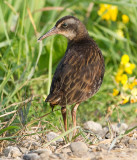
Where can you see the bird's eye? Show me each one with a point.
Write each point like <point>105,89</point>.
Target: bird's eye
<point>64,25</point>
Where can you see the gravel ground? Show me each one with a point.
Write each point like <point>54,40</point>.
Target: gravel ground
<point>101,148</point>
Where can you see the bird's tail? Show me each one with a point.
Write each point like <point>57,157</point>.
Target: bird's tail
<point>53,99</point>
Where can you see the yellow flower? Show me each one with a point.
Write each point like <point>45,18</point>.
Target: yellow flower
<point>119,73</point>
<point>113,13</point>
<point>108,12</point>
<point>125,86</point>
<point>131,86</point>
<point>124,59</point>
<point>125,18</point>
<point>124,79</point>
<point>129,67</point>
<point>133,100</point>
<point>135,82</point>
<point>120,33</point>
<point>125,100</point>
<point>134,92</point>
<point>115,92</point>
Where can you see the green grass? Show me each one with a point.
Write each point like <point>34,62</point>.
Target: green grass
<point>26,67</point>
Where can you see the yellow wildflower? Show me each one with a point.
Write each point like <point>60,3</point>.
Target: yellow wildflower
<point>125,18</point>
<point>108,12</point>
<point>135,82</point>
<point>134,92</point>
<point>129,67</point>
<point>119,73</point>
<point>124,79</point>
<point>125,100</point>
<point>120,33</point>
<point>131,86</point>
<point>124,59</point>
<point>133,100</point>
<point>113,13</point>
<point>115,92</point>
<point>125,86</point>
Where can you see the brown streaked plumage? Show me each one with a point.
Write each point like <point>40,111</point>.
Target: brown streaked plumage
<point>79,74</point>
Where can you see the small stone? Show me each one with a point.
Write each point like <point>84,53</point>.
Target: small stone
<point>53,156</point>
<point>123,127</point>
<point>93,126</point>
<point>43,153</point>
<point>40,151</point>
<point>79,148</point>
<point>119,128</point>
<point>23,150</point>
<point>63,156</point>
<point>104,146</point>
<point>12,152</point>
<point>52,135</point>
<point>31,144</point>
<point>125,140</point>
<point>66,150</point>
<point>132,143</point>
<point>31,156</point>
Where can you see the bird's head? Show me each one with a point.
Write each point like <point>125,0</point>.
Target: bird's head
<point>69,26</point>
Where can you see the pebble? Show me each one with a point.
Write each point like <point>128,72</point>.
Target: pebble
<point>66,150</point>
<point>93,126</point>
<point>79,148</point>
<point>119,128</point>
<point>11,151</point>
<point>52,135</point>
<point>132,143</point>
<point>41,151</point>
<point>53,156</point>
<point>31,156</point>
<point>31,144</point>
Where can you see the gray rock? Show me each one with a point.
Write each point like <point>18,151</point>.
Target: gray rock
<point>31,144</point>
<point>63,156</point>
<point>23,150</point>
<point>119,128</point>
<point>52,135</point>
<point>93,126</point>
<point>66,150</point>
<point>31,156</point>
<point>132,143</point>
<point>53,156</point>
<point>79,148</point>
<point>12,152</point>
<point>41,151</point>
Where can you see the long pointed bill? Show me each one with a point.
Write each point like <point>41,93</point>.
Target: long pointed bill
<point>53,31</point>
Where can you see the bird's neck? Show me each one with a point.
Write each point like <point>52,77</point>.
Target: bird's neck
<point>79,38</point>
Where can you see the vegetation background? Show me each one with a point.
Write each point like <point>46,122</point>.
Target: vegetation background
<point>26,67</point>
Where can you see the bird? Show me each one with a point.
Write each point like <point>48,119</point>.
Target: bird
<point>80,72</point>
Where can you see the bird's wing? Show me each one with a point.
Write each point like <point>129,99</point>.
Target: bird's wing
<point>75,78</point>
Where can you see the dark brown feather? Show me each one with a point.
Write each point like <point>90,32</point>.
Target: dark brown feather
<point>79,74</point>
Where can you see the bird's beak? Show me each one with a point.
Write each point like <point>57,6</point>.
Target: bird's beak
<point>53,31</point>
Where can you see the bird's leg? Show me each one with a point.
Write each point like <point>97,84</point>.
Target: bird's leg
<point>73,112</point>
<point>64,111</point>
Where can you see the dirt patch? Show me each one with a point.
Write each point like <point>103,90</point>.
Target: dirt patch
<point>102,145</point>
